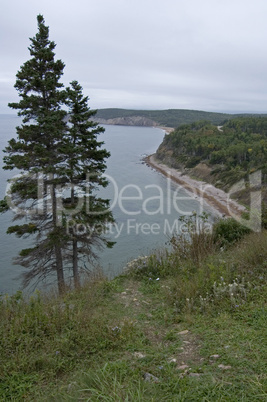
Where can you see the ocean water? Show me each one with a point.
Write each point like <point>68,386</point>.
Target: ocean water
<point>146,205</point>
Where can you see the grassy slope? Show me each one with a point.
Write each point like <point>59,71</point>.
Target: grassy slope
<point>168,118</point>
<point>166,317</point>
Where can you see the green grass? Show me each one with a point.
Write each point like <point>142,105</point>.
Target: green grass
<point>166,316</point>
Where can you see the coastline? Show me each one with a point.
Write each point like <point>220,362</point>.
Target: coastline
<point>215,197</point>
<point>167,130</point>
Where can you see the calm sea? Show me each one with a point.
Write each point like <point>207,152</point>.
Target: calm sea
<point>145,204</point>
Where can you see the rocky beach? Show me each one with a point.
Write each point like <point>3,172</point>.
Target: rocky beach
<point>217,198</point>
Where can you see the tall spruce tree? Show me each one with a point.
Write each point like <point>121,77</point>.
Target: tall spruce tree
<point>50,154</point>
<point>84,166</point>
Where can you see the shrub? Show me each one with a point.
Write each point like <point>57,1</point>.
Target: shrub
<point>228,231</point>
<point>195,242</point>
<point>193,161</point>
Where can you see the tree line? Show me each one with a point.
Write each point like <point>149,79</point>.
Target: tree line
<point>231,152</point>
<point>171,117</point>
<point>240,143</point>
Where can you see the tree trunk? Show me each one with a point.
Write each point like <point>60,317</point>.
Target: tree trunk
<point>58,254</point>
<point>59,268</point>
<point>75,264</point>
<point>76,276</point>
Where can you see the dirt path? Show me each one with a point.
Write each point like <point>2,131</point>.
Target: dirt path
<point>136,305</point>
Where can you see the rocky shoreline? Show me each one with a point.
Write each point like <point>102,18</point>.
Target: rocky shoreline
<point>138,121</point>
<point>215,197</point>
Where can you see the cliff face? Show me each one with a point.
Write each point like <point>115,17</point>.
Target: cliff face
<point>128,121</point>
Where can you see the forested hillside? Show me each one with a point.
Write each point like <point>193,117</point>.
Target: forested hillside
<point>167,118</point>
<point>220,155</point>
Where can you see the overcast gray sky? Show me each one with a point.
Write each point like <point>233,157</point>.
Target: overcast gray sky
<point>147,54</point>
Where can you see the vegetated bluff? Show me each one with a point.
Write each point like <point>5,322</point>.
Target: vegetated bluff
<point>222,156</point>
<point>167,118</point>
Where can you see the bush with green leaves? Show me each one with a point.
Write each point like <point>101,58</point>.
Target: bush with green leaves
<point>228,231</point>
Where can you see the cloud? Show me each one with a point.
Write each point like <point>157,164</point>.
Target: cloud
<point>148,54</point>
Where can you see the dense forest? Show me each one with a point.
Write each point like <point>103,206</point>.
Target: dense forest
<point>167,118</point>
<point>220,155</point>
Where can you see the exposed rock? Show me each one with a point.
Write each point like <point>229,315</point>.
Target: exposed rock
<point>183,367</point>
<point>172,360</point>
<point>139,355</point>
<point>223,367</point>
<point>129,121</point>
<point>214,356</point>
<point>150,378</point>
<point>183,332</point>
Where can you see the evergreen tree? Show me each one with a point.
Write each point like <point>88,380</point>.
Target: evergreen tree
<point>84,165</point>
<point>50,154</point>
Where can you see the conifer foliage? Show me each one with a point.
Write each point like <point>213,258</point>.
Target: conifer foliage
<point>84,165</point>
<point>61,164</point>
